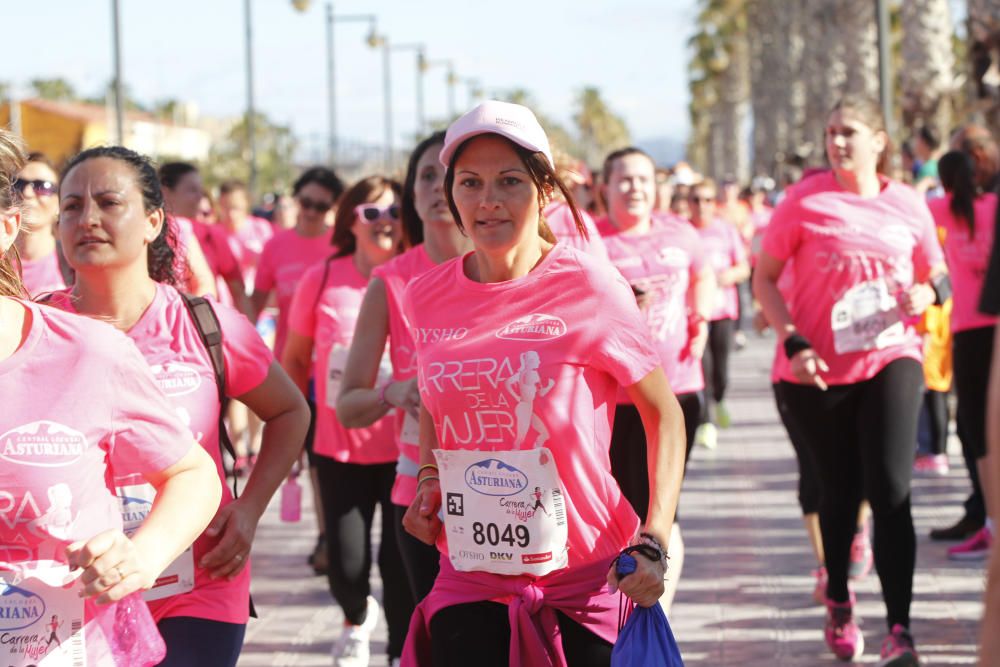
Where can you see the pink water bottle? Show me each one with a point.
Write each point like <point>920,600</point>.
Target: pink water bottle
<point>291,499</point>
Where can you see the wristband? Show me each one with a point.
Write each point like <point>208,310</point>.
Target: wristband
<point>424,479</point>
<point>942,289</point>
<point>381,395</point>
<point>795,344</point>
<point>648,539</point>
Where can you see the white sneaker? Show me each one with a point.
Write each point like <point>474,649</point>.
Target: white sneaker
<point>707,436</point>
<point>352,648</point>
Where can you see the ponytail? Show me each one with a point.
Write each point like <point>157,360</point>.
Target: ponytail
<point>958,178</point>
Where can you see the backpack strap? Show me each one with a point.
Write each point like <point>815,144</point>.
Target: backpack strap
<point>210,332</point>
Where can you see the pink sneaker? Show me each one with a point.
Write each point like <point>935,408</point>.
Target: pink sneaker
<point>897,649</point>
<point>819,592</point>
<point>976,547</point>
<point>931,464</point>
<point>843,636</point>
<point>862,557</point>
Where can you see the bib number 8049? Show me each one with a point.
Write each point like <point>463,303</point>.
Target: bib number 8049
<point>490,532</point>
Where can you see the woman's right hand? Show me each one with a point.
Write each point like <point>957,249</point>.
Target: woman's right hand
<point>806,366</point>
<point>405,394</point>
<point>421,518</point>
<point>112,567</point>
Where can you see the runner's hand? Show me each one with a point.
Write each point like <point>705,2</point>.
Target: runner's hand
<point>915,300</point>
<point>237,525</point>
<point>404,394</point>
<point>111,567</point>
<point>644,586</point>
<point>806,365</point>
<point>421,518</point>
<point>698,339</point>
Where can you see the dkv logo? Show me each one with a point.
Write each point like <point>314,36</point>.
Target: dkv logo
<point>493,477</point>
<point>19,608</point>
<point>176,379</point>
<point>43,443</point>
<point>536,326</point>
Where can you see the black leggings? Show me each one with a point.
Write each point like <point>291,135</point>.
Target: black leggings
<point>862,437</point>
<point>628,449</point>
<point>200,642</point>
<point>715,361</point>
<point>809,479</point>
<point>936,405</point>
<point>478,634</point>
<point>350,493</point>
<point>421,560</point>
<point>972,356</point>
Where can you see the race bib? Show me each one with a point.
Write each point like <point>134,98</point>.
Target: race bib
<point>867,317</point>
<point>41,618</point>
<point>503,511</point>
<point>410,434</point>
<point>136,500</point>
<point>336,362</point>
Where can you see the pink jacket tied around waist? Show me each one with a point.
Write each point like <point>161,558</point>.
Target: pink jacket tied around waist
<point>578,592</point>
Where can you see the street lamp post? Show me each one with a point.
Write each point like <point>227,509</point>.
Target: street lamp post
<point>116,28</point>
<point>251,139</point>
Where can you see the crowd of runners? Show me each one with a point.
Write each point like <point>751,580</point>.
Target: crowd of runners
<point>506,357</point>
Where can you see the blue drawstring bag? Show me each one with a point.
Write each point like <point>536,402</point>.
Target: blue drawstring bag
<point>645,640</point>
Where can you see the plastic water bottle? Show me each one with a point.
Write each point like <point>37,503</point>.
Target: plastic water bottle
<point>291,499</point>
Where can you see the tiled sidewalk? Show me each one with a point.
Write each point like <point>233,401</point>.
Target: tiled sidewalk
<point>745,594</point>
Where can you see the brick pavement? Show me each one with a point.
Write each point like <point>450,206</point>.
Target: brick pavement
<point>745,595</point>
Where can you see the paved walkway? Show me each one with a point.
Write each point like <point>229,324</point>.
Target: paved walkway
<point>745,595</point>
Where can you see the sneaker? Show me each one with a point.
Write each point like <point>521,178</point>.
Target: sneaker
<point>843,636</point>
<point>352,648</point>
<point>740,340</point>
<point>707,436</point>
<point>931,464</point>
<point>862,557</point>
<point>897,649</point>
<point>819,591</point>
<point>722,416</point>
<point>976,547</point>
<point>962,529</point>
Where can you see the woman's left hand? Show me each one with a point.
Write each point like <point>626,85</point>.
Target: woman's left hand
<point>111,567</point>
<point>237,523</point>
<point>915,300</point>
<point>644,586</point>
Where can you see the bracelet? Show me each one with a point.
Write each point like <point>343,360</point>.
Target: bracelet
<point>650,553</point>
<point>424,479</point>
<point>795,344</point>
<point>650,540</point>
<point>426,466</point>
<point>381,395</point>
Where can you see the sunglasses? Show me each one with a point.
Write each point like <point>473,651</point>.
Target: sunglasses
<point>310,205</point>
<point>39,187</point>
<point>702,200</point>
<point>369,213</point>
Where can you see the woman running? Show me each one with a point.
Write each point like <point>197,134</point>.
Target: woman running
<point>430,228</point>
<point>867,263</point>
<point>112,227</point>
<point>966,216</point>
<point>101,412</point>
<point>518,586</point>
<point>356,467</point>
<point>37,187</point>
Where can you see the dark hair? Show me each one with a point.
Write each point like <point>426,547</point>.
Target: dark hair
<point>12,160</point>
<point>231,186</point>
<point>171,173</point>
<point>323,177</point>
<point>41,158</point>
<point>869,112</point>
<point>366,190</point>
<point>614,156</point>
<point>413,226</point>
<point>542,174</point>
<point>929,136</point>
<point>163,264</point>
<point>958,178</point>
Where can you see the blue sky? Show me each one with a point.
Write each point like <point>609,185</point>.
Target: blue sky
<point>193,50</point>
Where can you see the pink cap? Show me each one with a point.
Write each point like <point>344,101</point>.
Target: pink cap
<point>513,121</point>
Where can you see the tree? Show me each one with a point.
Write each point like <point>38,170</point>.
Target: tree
<point>557,134</point>
<point>601,130</point>
<point>984,56</point>
<point>275,144</point>
<point>927,75</point>
<point>57,89</point>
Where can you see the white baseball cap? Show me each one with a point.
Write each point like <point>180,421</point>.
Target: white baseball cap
<point>512,121</point>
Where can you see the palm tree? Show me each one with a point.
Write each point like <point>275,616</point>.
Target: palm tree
<point>927,75</point>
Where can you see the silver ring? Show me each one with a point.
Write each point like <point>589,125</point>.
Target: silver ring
<point>238,557</point>
<point>121,577</point>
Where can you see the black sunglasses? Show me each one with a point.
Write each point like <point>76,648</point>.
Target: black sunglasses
<point>41,188</point>
<point>318,206</point>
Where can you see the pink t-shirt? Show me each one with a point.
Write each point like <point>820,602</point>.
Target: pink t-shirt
<point>169,341</point>
<point>559,218</point>
<point>663,263</point>
<point>473,339</point>
<point>42,275</point>
<point>723,249</point>
<point>860,253</point>
<point>284,259</point>
<point>326,311</point>
<point>246,245</point>
<point>967,258</point>
<point>760,220</point>
<point>79,402</point>
<point>396,274</point>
